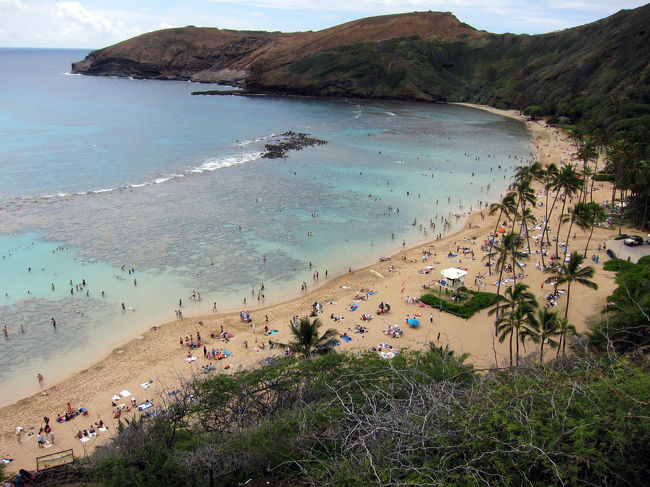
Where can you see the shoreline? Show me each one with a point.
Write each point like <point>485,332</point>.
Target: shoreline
<point>157,355</point>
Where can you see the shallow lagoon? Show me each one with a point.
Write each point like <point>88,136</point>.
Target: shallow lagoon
<point>140,174</point>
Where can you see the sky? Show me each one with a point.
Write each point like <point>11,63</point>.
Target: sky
<point>91,24</point>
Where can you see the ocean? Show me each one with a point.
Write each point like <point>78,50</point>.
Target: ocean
<point>149,195</point>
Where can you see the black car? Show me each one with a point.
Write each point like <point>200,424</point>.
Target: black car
<point>633,240</point>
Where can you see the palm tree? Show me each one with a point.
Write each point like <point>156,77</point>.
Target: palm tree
<point>507,252</point>
<point>527,216</point>
<point>306,341</point>
<point>565,330</point>
<point>587,151</point>
<point>511,323</point>
<point>546,326</point>
<point>566,273</point>
<point>567,183</point>
<point>525,194</point>
<point>587,215</point>
<point>548,178</point>
<point>517,311</point>
<point>505,207</point>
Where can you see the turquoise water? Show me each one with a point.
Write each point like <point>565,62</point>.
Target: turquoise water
<point>100,173</point>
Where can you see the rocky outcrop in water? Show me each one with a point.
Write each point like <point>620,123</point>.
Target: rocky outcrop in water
<point>287,141</point>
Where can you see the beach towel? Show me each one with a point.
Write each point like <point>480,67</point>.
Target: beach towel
<point>116,397</point>
<point>273,332</point>
<point>145,405</point>
<point>346,339</point>
<point>191,359</point>
<point>372,293</point>
<point>125,393</point>
<point>146,385</point>
<point>354,307</point>
<point>103,429</point>
<point>6,460</point>
<point>226,353</point>
<point>84,439</point>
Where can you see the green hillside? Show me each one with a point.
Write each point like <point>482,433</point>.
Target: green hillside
<point>598,73</point>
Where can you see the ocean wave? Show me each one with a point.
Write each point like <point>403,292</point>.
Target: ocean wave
<point>219,162</point>
<point>208,165</point>
<point>244,143</point>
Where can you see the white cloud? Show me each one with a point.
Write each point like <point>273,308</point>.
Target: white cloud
<point>76,17</point>
<point>98,23</point>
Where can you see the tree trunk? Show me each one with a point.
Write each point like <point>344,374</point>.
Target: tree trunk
<point>541,351</point>
<point>559,224</point>
<point>511,349</point>
<point>546,213</point>
<point>496,227</point>
<point>566,313</point>
<point>498,291</point>
<point>517,344</point>
<point>568,237</point>
<point>589,240</point>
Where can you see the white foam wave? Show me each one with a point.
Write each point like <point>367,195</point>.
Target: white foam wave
<point>219,162</point>
<point>244,143</point>
<point>209,165</point>
<point>391,114</point>
<point>163,179</point>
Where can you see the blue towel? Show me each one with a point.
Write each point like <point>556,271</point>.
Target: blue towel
<point>346,339</point>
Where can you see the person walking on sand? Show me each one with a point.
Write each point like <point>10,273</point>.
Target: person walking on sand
<point>39,376</point>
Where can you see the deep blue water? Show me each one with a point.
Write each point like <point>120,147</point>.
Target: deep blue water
<point>103,172</point>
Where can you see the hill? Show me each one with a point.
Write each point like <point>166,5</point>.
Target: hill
<point>226,56</point>
<point>597,72</point>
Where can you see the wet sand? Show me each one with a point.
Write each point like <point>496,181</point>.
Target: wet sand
<point>158,356</point>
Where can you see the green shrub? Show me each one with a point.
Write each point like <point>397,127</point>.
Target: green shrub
<point>477,302</point>
<point>604,177</point>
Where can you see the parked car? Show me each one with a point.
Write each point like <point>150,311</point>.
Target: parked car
<point>621,236</point>
<point>633,240</point>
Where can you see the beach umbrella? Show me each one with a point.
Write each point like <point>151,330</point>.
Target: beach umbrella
<point>413,322</point>
<point>501,230</point>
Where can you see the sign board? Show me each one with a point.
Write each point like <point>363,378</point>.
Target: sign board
<point>54,459</point>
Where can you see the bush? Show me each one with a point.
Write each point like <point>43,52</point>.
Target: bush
<point>616,265</point>
<point>603,177</point>
<point>477,302</point>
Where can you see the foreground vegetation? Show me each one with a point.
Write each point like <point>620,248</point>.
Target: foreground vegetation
<point>421,419</point>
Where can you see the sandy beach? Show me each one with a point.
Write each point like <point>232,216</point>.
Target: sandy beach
<point>156,360</point>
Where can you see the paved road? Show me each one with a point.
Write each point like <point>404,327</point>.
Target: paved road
<point>622,251</point>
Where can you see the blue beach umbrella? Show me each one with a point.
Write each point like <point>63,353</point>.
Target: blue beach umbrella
<point>413,322</point>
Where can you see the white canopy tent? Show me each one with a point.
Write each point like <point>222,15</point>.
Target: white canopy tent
<point>453,278</point>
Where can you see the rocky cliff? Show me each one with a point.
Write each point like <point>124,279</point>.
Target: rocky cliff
<point>216,55</point>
